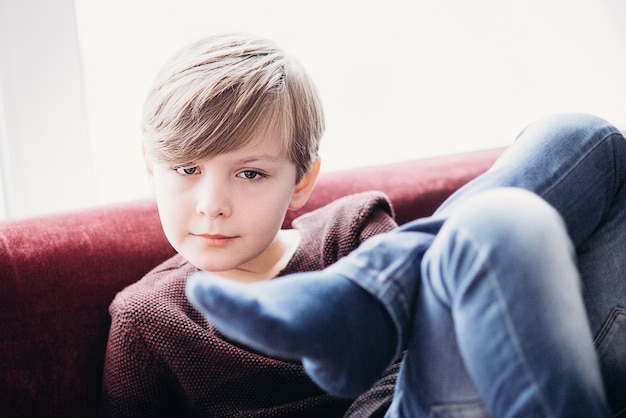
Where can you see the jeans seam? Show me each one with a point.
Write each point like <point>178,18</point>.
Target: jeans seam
<point>583,157</point>
<point>613,316</point>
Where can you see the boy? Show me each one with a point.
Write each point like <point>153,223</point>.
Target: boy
<point>231,133</point>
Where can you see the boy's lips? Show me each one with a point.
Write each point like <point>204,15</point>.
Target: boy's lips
<point>214,240</point>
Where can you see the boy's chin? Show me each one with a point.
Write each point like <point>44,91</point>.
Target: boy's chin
<point>207,264</point>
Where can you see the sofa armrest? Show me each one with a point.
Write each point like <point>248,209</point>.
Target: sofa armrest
<point>58,274</point>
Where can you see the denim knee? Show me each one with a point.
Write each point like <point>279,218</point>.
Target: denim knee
<point>510,224</point>
<point>573,126</point>
<point>505,214</point>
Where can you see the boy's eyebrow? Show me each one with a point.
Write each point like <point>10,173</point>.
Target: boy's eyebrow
<point>261,157</point>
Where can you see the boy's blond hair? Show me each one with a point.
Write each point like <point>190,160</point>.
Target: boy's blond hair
<point>214,95</point>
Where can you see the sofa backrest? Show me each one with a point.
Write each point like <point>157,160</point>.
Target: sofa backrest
<point>416,188</point>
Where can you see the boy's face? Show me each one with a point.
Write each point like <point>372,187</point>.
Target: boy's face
<point>224,213</point>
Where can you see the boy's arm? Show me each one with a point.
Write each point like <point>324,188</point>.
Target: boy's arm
<point>131,387</point>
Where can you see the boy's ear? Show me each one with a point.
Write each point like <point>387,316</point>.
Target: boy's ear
<point>305,187</point>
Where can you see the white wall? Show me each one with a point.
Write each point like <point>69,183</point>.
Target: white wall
<point>399,79</point>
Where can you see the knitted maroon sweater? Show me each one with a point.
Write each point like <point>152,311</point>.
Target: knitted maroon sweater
<point>164,359</point>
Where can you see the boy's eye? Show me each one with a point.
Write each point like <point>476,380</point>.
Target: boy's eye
<point>187,171</point>
<point>251,175</point>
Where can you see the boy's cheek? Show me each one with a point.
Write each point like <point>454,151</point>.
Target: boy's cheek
<point>171,225</point>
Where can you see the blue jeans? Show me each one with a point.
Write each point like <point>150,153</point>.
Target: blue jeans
<point>514,286</point>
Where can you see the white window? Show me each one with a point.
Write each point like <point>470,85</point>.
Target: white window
<point>45,155</point>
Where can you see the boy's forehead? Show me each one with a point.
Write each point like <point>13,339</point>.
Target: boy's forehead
<point>269,141</point>
<point>261,147</point>
<point>264,151</point>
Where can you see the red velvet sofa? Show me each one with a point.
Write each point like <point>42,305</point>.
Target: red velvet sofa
<point>58,274</point>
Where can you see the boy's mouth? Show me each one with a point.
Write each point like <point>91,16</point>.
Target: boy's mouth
<point>215,240</point>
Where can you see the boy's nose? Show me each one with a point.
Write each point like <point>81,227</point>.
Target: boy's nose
<point>213,200</point>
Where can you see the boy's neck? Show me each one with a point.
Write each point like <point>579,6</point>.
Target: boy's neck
<point>269,264</point>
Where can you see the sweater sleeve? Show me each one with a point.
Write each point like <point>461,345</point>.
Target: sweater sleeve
<point>136,378</point>
<point>132,383</point>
